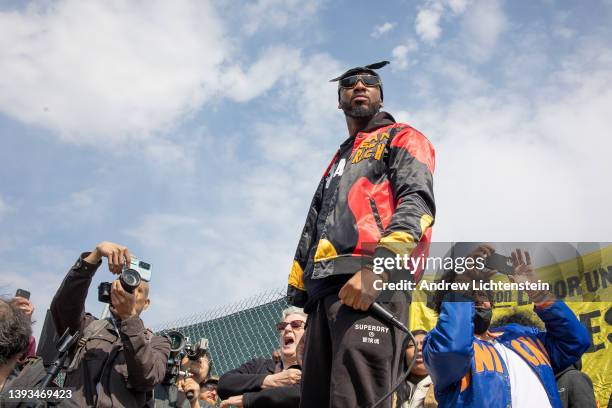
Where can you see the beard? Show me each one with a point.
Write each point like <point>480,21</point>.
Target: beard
<point>360,111</point>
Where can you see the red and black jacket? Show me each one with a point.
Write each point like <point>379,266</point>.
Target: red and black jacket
<point>376,194</point>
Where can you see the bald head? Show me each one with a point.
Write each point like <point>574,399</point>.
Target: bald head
<point>145,288</point>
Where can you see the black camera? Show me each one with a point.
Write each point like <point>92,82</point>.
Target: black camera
<point>195,351</point>
<point>180,347</point>
<point>177,341</point>
<point>177,345</point>
<point>129,279</point>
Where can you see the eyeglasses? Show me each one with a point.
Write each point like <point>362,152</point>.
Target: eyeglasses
<point>295,324</point>
<point>367,79</point>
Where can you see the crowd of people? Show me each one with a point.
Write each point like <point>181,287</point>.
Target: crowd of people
<point>466,360</point>
<point>340,344</point>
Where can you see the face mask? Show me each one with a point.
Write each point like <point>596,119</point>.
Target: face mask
<point>482,320</point>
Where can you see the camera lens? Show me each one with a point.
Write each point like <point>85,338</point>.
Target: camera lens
<point>130,279</point>
<point>177,341</point>
<point>104,291</point>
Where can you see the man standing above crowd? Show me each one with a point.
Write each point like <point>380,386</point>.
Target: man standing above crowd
<point>374,199</point>
<point>117,362</point>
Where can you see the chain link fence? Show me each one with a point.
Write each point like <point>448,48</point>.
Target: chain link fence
<point>237,332</point>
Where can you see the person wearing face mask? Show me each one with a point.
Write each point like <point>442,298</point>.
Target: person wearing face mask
<point>472,365</point>
<point>263,382</point>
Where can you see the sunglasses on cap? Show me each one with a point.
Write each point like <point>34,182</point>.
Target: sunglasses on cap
<point>295,324</point>
<point>367,79</point>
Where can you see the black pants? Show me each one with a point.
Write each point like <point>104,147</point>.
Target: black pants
<point>351,359</point>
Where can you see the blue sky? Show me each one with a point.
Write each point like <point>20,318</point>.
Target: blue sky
<point>195,132</point>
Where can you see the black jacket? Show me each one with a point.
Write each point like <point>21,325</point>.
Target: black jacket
<point>246,380</point>
<point>121,363</point>
<point>575,388</point>
<point>375,199</point>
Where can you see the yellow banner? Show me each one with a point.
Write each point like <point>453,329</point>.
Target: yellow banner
<point>583,282</point>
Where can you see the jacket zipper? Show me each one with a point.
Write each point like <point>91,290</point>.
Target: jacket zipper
<point>376,216</point>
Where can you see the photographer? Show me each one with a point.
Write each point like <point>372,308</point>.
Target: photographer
<point>117,362</point>
<point>208,392</point>
<point>183,391</point>
<point>264,383</point>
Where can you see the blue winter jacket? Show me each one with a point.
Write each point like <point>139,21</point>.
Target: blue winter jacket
<point>469,372</point>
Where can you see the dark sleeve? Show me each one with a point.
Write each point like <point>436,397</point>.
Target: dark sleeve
<point>411,164</point>
<point>296,291</point>
<point>280,397</point>
<point>246,378</point>
<point>565,338</point>
<point>448,348</point>
<point>68,304</point>
<point>580,391</point>
<point>146,359</point>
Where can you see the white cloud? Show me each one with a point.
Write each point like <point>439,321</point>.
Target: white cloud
<point>510,166</point>
<point>427,24</point>
<point>382,29</point>
<point>96,70</point>
<point>461,76</point>
<point>401,55</point>
<point>113,73</point>
<point>482,28</point>
<point>457,6</point>
<point>273,64</point>
<point>265,14</point>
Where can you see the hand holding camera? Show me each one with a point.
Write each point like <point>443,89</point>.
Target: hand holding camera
<point>117,256</point>
<point>120,294</point>
<point>123,303</point>
<point>190,387</point>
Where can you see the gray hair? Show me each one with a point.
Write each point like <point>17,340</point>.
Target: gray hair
<point>294,310</point>
<point>15,331</point>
